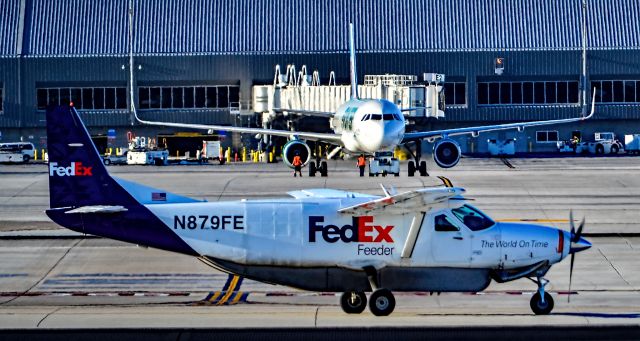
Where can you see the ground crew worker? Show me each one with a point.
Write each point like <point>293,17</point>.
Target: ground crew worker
<point>361,163</point>
<point>574,142</point>
<point>297,165</point>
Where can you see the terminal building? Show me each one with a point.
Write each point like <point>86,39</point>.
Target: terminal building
<point>198,61</point>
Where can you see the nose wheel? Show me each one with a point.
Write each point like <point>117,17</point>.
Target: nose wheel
<point>541,303</point>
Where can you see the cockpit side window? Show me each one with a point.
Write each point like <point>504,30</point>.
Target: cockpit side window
<point>397,116</point>
<point>388,117</point>
<point>443,224</point>
<point>472,218</point>
<point>376,117</point>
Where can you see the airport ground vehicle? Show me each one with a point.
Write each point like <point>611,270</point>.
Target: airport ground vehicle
<point>603,143</point>
<point>115,159</point>
<point>11,157</point>
<point>427,239</point>
<point>384,163</point>
<point>211,151</point>
<point>632,143</point>
<point>26,149</point>
<point>141,153</point>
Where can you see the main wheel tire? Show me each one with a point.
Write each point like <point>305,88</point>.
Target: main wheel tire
<point>540,308</point>
<point>353,302</point>
<point>411,168</point>
<point>382,302</point>
<point>324,169</point>
<point>423,168</point>
<point>614,149</point>
<point>599,149</point>
<point>312,168</point>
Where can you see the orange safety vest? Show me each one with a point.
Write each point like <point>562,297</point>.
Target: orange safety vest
<point>297,161</point>
<point>361,161</point>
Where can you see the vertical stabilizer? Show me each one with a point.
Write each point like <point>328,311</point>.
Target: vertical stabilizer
<point>352,63</point>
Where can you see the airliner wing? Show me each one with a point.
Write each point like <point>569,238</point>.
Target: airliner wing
<point>325,114</point>
<point>480,129</point>
<point>411,201</point>
<point>332,138</point>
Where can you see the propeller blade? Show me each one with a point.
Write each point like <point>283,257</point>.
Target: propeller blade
<point>579,232</point>
<point>570,276</point>
<point>573,228</point>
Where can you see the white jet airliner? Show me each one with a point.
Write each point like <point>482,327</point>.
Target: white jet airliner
<point>427,240</point>
<point>369,126</point>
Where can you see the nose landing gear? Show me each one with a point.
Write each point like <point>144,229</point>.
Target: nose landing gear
<point>541,303</point>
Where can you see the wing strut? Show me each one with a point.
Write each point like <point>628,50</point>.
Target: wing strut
<point>414,231</point>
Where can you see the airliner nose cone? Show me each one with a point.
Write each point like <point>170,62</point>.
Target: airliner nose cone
<point>581,245</point>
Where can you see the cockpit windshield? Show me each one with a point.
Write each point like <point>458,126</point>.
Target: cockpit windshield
<point>378,117</point>
<point>472,218</point>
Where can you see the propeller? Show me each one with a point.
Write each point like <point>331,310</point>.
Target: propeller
<point>577,244</point>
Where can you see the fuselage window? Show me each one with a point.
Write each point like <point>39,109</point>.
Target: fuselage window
<point>472,218</point>
<point>376,117</point>
<point>443,224</point>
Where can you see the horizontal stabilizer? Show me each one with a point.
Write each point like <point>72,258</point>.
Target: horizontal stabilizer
<point>406,202</point>
<point>97,209</point>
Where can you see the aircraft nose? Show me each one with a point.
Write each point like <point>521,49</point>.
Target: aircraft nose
<point>580,245</point>
<point>372,141</point>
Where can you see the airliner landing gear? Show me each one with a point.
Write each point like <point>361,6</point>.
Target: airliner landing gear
<point>320,166</point>
<point>353,302</point>
<point>417,165</point>
<point>541,303</point>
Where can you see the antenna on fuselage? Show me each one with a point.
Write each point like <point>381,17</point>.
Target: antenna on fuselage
<point>352,63</point>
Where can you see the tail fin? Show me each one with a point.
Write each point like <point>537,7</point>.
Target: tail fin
<point>85,198</point>
<point>352,63</point>
<point>77,176</point>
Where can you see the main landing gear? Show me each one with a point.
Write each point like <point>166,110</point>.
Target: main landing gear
<point>416,165</point>
<point>381,301</point>
<point>541,302</point>
<point>318,167</point>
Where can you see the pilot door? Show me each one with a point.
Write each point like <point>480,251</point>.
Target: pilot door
<point>450,240</point>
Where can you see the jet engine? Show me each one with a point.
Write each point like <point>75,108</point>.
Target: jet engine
<point>294,147</point>
<point>446,153</point>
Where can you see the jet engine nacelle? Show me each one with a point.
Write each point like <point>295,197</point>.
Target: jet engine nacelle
<point>296,146</point>
<point>446,153</point>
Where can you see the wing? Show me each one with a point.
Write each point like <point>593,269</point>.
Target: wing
<point>411,201</point>
<point>480,129</point>
<point>325,114</point>
<point>333,138</point>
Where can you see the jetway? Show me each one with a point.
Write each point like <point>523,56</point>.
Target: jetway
<point>300,91</point>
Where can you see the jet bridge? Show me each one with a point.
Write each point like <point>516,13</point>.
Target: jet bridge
<point>300,91</point>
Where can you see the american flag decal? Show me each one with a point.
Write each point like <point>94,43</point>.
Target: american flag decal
<point>158,196</point>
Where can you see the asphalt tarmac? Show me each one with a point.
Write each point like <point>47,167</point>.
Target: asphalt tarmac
<point>52,278</point>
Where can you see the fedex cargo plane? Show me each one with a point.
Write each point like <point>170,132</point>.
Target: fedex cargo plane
<point>427,239</point>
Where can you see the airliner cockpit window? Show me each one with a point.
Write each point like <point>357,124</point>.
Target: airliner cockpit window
<point>397,116</point>
<point>376,117</point>
<point>388,117</point>
<point>472,218</point>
